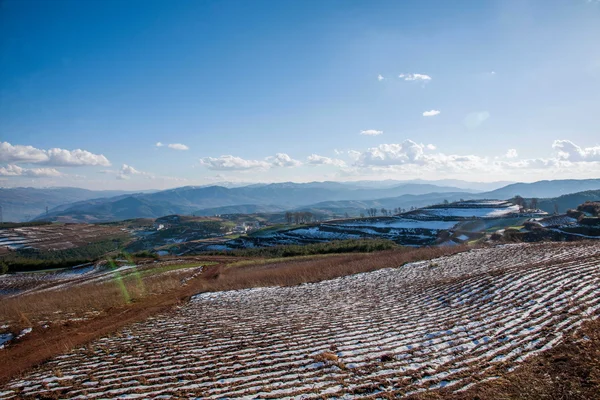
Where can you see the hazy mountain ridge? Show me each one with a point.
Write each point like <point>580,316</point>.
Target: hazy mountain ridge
<point>190,199</point>
<point>546,188</point>
<point>568,201</point>
<point>23,203</point>
<point>330,197</point>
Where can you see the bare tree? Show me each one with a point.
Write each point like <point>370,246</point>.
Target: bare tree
<point>518,200</point>
<point>533,203</point>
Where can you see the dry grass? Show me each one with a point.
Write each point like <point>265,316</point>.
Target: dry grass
<point>87,299</point>
<point>315,269</point>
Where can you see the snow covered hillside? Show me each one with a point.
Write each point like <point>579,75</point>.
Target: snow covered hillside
<point>414,228</point>
<point>443,323</point>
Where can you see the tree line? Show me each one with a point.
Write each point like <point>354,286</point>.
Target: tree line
<point>300,217</point>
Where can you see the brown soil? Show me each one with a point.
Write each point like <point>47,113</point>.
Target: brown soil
<point>41,345</point>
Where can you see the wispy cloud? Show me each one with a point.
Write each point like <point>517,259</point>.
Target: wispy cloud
<point>371,132</point>
<point>232,163</point>
<point>474,119</point>
<point>315,159</point>
<point>380,77</point>
<point>174,146</point>
<point>431,113</point>
<point>127,171</point>
<point>415,77</point>
<point>178,146</point>
<point>15,170</point>
<point>511,153</point>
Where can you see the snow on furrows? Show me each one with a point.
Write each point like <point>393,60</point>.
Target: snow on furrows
<point>447,322</point>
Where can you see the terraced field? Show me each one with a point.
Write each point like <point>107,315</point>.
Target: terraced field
<point>55,237</point>
<point>443,323</point>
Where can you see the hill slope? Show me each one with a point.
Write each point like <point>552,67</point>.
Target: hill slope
<point>568,201</point>
<point>21,204</point>
<point>189,199</point>
<point>544,189</point>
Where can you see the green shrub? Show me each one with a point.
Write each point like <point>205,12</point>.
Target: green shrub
<point>333,247</point>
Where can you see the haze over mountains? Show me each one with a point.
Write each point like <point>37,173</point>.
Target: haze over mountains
<point>23,203</point>
<point>80,205</point>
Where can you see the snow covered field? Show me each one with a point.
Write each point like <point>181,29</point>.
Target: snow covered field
<point>446,322</point>
<point>468,209</point>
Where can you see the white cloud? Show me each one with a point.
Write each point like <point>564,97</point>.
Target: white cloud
<point>473,120</point>
<point>18,153</point>
<point>52,157</point>
<point>392,154</point>
<point>511,153</point>
<point>283,160</point>
<point>430,147</point>
<point>410,158</point>
<point>75,158</point>
<point>380,77</point>
<point>354,155</point>
<point>431,113</point>
<point>415,77</point>
<point>127,170</point>
<point>315,159</point>
<point>174,146</point>
<point>15,170</point>
<point>371,132</point>
<point>178,146</point>
<point>568,150</point>
<point>232,163</point>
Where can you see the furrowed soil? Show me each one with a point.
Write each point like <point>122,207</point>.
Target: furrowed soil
<point>445,326</point>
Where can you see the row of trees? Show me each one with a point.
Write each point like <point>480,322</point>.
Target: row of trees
<point>372,212</point>
<point>299,217</point>
<point>521,202</point>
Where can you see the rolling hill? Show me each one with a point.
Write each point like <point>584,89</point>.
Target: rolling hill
<point>544,189</point>
<point>21,204</point>
<point>332,198</point>
<point>568,201</point>
<point>190,199</point>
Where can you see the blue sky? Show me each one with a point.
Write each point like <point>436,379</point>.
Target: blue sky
<point>296,90</point>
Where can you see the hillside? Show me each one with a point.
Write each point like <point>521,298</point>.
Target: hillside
<point>567,201</point>
<point>21,204</point>
<point>327,198</point>
<point>240,209</point>
<point>190,199</point>
<point>432,327</point>
<point>544,189</point>
<point>422,227</point>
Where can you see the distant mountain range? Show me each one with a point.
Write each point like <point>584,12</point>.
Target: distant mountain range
<point>79,205</point>
<point>20,204</point>
<point>192,200</point>
<point>544,189</point>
